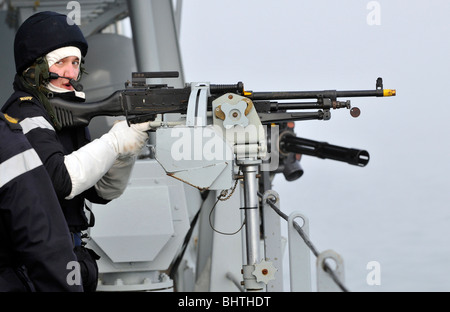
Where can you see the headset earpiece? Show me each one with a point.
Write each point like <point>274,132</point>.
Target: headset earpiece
<point>30,74</point>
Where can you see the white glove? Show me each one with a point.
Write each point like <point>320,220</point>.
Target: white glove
<point>127,140</point>
<point>87,165</point>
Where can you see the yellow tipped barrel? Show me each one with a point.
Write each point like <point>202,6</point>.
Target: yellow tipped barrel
<point>389,92</point>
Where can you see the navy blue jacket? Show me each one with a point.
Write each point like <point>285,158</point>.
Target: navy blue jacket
<point>36,248</point>
<point>51,146</point>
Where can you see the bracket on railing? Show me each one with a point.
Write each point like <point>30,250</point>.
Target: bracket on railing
<point>325,281</point>
<point>299,255</point>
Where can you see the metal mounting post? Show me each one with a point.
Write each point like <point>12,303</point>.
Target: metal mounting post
<point>249,168</point>
<point>273,247</point>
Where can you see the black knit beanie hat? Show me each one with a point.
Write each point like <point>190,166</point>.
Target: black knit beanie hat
<point>42,33</point>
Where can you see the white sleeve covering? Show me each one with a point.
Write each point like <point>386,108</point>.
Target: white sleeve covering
<point>88,164</point>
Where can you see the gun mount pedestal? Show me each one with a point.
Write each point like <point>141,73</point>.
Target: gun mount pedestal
<point>249,168</point>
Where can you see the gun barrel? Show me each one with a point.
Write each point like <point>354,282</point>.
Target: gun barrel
<point>324,150</point>
<point>333,94</point>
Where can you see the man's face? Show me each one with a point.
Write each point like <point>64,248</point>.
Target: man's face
<point>68,67</point>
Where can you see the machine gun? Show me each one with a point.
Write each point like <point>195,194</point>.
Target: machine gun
<point>233,111</point>
<point>140,102</point>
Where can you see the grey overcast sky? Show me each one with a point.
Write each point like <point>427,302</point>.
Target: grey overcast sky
<point>395,210</point>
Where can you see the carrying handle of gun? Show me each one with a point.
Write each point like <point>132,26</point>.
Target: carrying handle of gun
<point>160,74</point>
